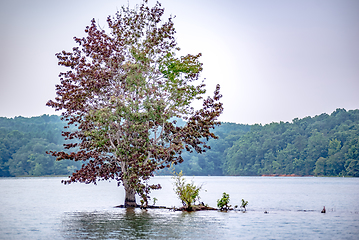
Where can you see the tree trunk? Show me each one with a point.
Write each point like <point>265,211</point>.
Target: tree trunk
<point>130,198</point>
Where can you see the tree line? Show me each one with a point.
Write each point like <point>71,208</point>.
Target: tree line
<point>23,146</point>
<point>324,145</point>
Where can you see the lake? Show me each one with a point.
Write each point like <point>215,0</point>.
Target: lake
<point>43,208</point>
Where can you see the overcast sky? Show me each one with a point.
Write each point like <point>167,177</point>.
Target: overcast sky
<point>275,59</point>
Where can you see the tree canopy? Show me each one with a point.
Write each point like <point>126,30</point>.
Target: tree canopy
<point>123,89</point>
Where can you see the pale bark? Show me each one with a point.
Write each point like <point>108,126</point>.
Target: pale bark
<point>130,197</point>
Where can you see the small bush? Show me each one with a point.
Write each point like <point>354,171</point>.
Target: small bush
<point>223,203</point>
<point>188,193</point>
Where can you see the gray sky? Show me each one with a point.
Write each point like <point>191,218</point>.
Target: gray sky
<point>275,59</point>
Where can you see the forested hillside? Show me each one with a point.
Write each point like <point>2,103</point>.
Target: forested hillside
<point>23,146</point>
<point>210,162</point>
<point>324,145</point>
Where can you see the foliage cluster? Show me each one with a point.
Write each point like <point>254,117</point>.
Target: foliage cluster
<point>23,146</point>
<point>223,203</point>
<point>244,204</point>
<point>210,162</point>
<point>188,193</point>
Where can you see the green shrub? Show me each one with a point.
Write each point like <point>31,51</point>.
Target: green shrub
<point>188,193</point>
<point>223,203</point>
<point>244,204</point>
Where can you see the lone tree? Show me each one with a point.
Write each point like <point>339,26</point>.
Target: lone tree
<point>123,90</point>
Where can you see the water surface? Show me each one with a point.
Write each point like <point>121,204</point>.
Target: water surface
<point>43,208</point>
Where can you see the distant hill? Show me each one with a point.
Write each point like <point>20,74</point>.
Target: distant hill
<point>23,143</point>
<point>324,145</point>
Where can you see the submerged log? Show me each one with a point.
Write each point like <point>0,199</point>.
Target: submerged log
<point>193,208</point>
<point>139,206</point>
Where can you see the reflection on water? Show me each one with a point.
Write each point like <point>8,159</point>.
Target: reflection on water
<point>138,224</point>
<point>165,224</point>
<point>99,225</point>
